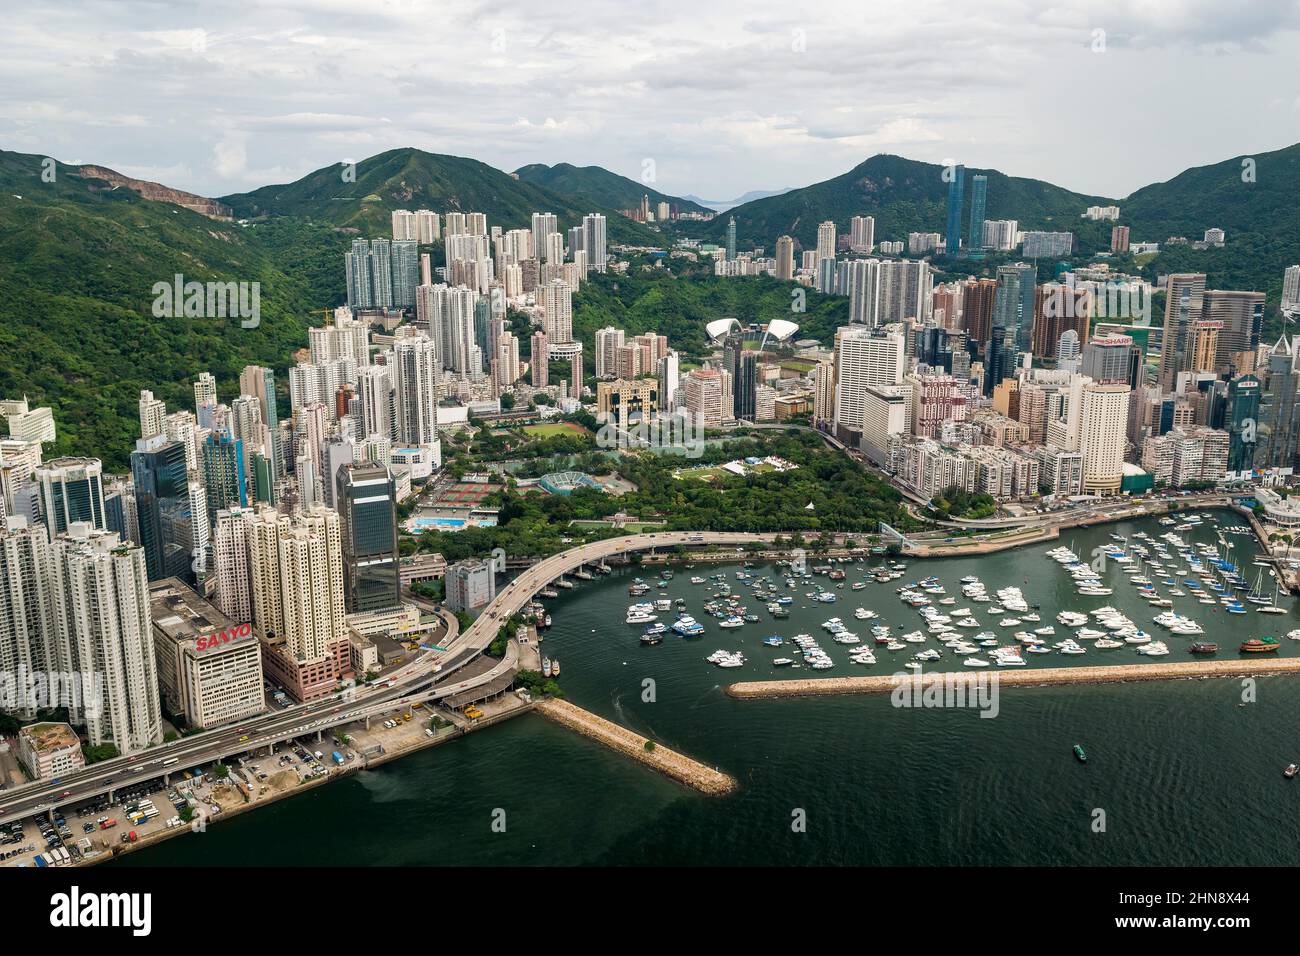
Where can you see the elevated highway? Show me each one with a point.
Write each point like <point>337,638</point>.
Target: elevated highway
<point>429,677</point>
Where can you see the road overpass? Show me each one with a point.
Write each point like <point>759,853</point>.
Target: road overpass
<point>516,595</point>
<point>415,681</point>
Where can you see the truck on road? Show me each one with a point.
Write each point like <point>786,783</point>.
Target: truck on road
<point>338,757</point>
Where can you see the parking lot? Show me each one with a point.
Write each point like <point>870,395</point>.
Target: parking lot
<point>143,812</point>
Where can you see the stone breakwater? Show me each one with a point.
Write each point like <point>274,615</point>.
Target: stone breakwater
<point>668,762</point>
<point>1036,677</point>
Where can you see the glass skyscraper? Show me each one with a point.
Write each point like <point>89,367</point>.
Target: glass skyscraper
<point>223,473</point>
<point>979,188</point>
<point>367,505</point>
<point>71,489</point>
<point>955,190</point>
<point>1013,302</point>
<point>163,507</point>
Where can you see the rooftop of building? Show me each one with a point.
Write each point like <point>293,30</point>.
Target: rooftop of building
<point>49,736</point>
<point>182,615</point>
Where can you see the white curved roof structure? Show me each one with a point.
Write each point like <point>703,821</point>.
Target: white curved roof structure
<point>720,327</point>
<point>781,329</point>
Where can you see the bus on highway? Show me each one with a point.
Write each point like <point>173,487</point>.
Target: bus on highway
<point>136,769</point>
<point>170,760</point>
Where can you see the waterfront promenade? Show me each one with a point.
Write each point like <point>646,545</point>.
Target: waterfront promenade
<point>1030,677</point>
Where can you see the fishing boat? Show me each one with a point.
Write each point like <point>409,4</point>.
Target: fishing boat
<point>555,667</point>
<point>1078,752</point>
<point>1204,647</point>
<point>546,667</point>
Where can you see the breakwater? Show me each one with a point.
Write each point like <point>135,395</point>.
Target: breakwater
<point>668,762</point>
<point>1035,677</point>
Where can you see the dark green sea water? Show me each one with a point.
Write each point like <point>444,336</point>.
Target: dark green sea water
<point>1183,773</point>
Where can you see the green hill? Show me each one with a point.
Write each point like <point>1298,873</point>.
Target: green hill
<point>413,179</point>
<point>1261,219</point>
<point>904,196</point>
<point>78,261</point>
<point>595,184</point>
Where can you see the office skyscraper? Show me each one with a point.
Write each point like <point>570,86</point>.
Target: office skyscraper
<point>71,489</point>
<point>1184,296</point>
<point>979,187</point>
<point>864,356</point>
<point>955,189</point>
<point>1242,315</point>
<point>367,505</point>
<point>1013,303</point>
<point>163,507</point>
<point>224,474</point>
<point>742,367</point>
<point>259,381</point>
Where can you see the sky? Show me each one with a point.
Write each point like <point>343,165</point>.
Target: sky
<point>711,99</point>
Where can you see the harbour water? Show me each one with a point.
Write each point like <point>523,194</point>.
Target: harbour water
<point>1178,773</point>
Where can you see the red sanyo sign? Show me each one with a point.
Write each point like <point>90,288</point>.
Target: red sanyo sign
<point>207,642</point>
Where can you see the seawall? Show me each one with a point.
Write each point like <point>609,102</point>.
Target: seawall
<point>668,762</point>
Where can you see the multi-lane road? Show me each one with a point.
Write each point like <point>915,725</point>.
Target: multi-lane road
<point>428,677</point>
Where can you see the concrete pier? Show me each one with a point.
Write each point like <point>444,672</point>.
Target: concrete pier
<point>1020,677</point>
<point>668,762</point>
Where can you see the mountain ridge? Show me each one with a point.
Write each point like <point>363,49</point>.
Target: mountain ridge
<point>363,195</point>
<point>600,185</point>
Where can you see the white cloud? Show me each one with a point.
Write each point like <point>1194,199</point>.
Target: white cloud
<point>727,96</point>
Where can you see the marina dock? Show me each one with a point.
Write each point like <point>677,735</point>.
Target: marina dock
<point>1029,677</point>
<point>668,762</point>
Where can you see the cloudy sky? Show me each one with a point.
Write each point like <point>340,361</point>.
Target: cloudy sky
<point>722,97</point>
